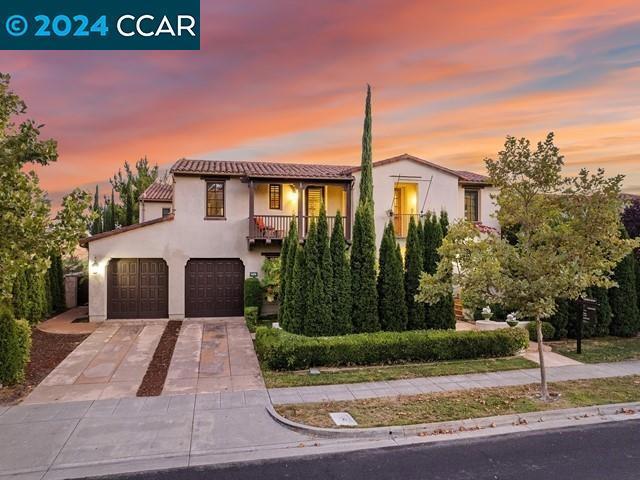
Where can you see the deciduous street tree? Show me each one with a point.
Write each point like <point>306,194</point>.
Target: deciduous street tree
<point>567,241</point>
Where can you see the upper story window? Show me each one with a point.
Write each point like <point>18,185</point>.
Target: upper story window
<point>472,205</point>
<point>166,211</point>
<point>275,196</point>
<point>215,198</point>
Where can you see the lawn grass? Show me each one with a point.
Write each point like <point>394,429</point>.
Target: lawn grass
<point>476,403</point>
<point>275,379</point>
<point>598,350</point>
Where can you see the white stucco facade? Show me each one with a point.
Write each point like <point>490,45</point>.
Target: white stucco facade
<point>189,234</point>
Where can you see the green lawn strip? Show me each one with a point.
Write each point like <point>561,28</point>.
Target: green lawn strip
<point>437,407</point>
<point>598,350</point>
<point>276,379</point>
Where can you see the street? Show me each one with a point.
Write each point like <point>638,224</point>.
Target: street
<point>607,451</point>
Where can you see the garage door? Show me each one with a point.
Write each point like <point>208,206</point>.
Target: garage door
<point>137,288</point>
<point>214,287</point>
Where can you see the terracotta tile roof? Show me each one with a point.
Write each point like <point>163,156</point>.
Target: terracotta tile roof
<point>158,192</point>
<point>261,169</point>
<point>84,241</point>
<point>462,175</point>
<point>472,177</point>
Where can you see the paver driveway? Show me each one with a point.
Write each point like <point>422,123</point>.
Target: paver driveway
<point>211,355</point>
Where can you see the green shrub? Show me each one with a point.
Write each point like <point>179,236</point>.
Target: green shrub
<point>281,350</point>
<point>253,293</point>
<point>251,317</point>
<point>15,344</point>
<point>548,331</point>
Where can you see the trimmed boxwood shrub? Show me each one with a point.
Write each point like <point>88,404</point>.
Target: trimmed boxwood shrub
<point>281,350</point>
<point>251,317</point>
<point>548,331</point>
<point>253,293</point>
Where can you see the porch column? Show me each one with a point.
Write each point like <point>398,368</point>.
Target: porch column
<point>252,192</point>
<point>347,229</point>
<point>300,207</point>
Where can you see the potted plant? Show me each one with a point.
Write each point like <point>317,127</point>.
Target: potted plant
<point>512,320</point>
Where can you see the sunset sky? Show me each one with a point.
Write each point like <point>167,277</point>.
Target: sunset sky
<point>285,81</point>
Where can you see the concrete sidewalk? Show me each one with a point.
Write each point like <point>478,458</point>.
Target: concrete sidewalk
<point>414,386</point>
<point>63,440</point>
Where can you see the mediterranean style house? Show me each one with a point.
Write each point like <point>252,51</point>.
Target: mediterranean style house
<point>201,234</point>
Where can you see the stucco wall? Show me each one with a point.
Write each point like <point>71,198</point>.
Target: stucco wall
<point>189,235</point>
<point>442,195</point>
<point>151,210</point>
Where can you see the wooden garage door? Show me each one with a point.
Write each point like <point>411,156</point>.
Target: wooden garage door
<point>137,288</point>
<point>214,287</point>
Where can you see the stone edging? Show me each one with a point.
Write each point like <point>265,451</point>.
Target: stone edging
<point>456,426</point>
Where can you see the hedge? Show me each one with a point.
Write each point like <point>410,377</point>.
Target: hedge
<point>15,345</point>
<point>280,350</point>
<point>548,331</point>
<point>251,318</point>
<point>253,293</point>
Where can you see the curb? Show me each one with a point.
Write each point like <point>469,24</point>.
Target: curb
<point>456,426</point>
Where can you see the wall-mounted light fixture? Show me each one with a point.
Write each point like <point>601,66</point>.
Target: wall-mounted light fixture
<point>94,267</point>
<point>292,195</point>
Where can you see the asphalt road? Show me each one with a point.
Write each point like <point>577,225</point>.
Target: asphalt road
<point>599,452</point>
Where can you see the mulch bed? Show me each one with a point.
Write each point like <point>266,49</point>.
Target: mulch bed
<point>47,351</point>
<point>156,374</point>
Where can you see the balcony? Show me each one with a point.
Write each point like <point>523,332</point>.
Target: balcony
<point>401,223</point>
<point>300,201</point>
<point>275,227</point>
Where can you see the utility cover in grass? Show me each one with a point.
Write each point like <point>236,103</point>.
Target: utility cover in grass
<point>343,419</point>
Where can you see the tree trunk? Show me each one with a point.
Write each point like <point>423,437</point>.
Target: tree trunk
<point>544,393</point>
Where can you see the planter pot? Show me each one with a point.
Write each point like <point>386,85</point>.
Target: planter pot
<point>491,325</point>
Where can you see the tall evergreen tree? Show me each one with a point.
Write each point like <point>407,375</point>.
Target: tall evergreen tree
<point>623,299</point>
<point>286,256</point>
<point>363,272</point>
<point>603,311</point>
<point>113,217</point>
<point>341,299</point>
<point>413,264</point>
<point>318,320</point>
<point>297,293</point>
<point>363,250</point>
<point>392,308</point>
<point>20,296</point>
<point>560,319</point>
<point>366,162</point>
<point>96,226</point>
<point>444,222</point>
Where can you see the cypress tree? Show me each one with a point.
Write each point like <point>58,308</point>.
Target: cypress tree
<point>603,311</point>
<point>623,299</point>
<point>287,319</point>
<point>341,300</point>
<point>432,239</point>
<point>21,308</point>
<point>363,273</point>
<point>113,217</point>
<point>363,251</point>
<point>297,293</point>
<point>413,268</point>
<point>96,226</point>
<point>392,309</point>
<point>49,292</point>
<point>366,162</point>
<point>560,319</point>
<point>312,277</point>
<point>440,315</point>
<point>284,252</point>
<point>444,222</point>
